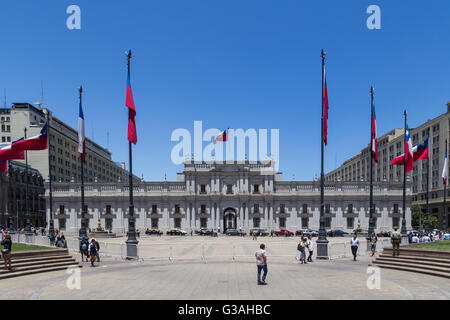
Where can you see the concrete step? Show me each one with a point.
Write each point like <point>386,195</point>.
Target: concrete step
<point>36,267</point>
<point>38,263</point>
<point>13,274</point>
<point>34,253</point>
<point>43,258</point>
<point>415,258</point>
<point>417,266</point>
<point>445,264</point>
<point>413,269</point>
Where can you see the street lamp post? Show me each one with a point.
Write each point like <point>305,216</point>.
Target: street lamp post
<point>82,232</point>
<point>371,155</point>
<point>51,229</point>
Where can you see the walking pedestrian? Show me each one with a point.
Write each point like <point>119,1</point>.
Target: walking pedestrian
<point>354,244</point>
<point>6,251</point>
<point>310,244</point>
<point>84,246</point>
<point>261,263</point>
<point>254,235</point>
<point>97,247</point>
<point>93,252</point>
<point>373,243</point>
<point>301,247</point>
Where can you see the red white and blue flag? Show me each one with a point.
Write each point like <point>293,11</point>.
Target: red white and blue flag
<point>419,152</point>
<point>325,115</point>
<point>444,172</point>
<point>39,142</point>
<point>223,136</point>
<point>81,136</point>
<point>408,151</point>
<point>374,136</point>
<point>132,133</point>
<point>10,152</point>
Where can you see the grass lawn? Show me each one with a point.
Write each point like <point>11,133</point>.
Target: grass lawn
<point>26,247</point>
<point>440,245</point>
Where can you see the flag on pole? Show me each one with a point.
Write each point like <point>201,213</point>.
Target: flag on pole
<point>444,172</point>
<point>408,151</point>
<point>81,136</point>
<point>223,136</point>
<point>419,152</point>
<point>3,166</point>
<point>325,115</point>
<point>39,142</point>
<point>132,134</point>
<point>374,136</point>
<point>9,152</point>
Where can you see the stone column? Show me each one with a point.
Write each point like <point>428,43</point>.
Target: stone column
<point>266,220</point>
<point>270,208</point>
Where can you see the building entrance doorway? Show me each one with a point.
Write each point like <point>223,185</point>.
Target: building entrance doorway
<point>229,219</point>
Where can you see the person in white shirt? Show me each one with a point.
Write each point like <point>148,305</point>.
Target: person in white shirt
<point>310,249</point>
<point>261,263</point>
<point>415,239</point>
<point>354,244</point>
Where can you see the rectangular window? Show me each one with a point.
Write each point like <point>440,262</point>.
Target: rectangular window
<point>61,209</point>
<point>327,222</point>
<point>203,208</point>
<point>155,223</point>
<point>305,223</point>
<point>256,222</point>
<point>395,208</point>
<point>282,208</point>
<point>282,223</point>
<point>203,188</point>
<point>327,208</point>
<point>395,222</point>
<point>154,208</point>
<point>177,222</point>
<point>305,208</point>
<point>256,208</point>
<point>108,223</point>
<point>256,188</point>
<point>350,208</point>
<point>203,222</point>
<point>62,224</point>
<point>177,209</point>
<point>108,209</point>
<point>374,222</point>
<point>229,189</point>
<point>350,223</point>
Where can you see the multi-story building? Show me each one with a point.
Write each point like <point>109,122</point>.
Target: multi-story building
<point>390,146</point>
<point>13,192</point>
<point>5,123</point>
<point>63,147</point>
<point>230,195</point>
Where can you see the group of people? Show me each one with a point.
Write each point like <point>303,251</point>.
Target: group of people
<point>89,250</point>
<point>305,244</point>
<point>423,237</point>
<point>35,231</point>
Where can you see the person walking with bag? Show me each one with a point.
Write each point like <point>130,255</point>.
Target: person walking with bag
<point>354,244</point>
<point>261,263</point>
<point>302,247</point>
<point>310,244</point>
<point>93,252</point>
<point>6,251</point>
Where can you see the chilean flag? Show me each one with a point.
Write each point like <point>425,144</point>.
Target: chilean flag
<point>132,133</point>
<point>9,152</point>
<point>444,172</point>
<point>81,136</point>
<point>374,137</point>
<point>39,142</point>
<point>419,152</point>
<point>325,115</point>
<point>222,137</point>
<point>408,151</point>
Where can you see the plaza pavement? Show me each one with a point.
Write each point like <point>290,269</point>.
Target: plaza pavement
<point>227,279</point>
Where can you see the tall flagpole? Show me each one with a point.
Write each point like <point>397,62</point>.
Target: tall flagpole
<point>82,232</point>
<point>27,202</point>
<point>444,218</point>
<point>322,242</point>
<point>403,230</point>
<point>369,233</point>
<point>131,240</point>
<point>427,220</point>
<point>51,229</point>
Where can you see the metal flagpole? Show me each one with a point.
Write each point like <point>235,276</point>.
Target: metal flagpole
<point>322,242</point>
<point>82,232</point>
<point>369,233</point>
<point>444,218</point>
<point>427,214</point>
<point>403,230</point>
<point>131,240</point>
<point>28,222</point>
<point>51,229</point>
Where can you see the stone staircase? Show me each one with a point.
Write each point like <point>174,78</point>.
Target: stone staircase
<point>431,262</point>
<point>38,261</point>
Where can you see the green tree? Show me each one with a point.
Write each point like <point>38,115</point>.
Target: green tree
<point>419,217</point>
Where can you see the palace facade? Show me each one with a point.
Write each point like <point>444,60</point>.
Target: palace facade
<point>230,195</point>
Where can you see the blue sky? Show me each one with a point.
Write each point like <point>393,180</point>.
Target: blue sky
<point>238,64</point>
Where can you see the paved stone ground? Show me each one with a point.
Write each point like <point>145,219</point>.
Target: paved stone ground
<point>196,279</point>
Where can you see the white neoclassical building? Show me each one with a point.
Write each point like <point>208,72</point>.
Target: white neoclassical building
<point>230,195</point>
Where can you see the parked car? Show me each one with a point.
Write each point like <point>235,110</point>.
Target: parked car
<point>284,232</point>
<point>259,232</point>
<point>307,232</point>
<point>153,231</point>
<point>176,232</point>
<point>234,232</point>
<point>336,233</point>
<point>204,232</point>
